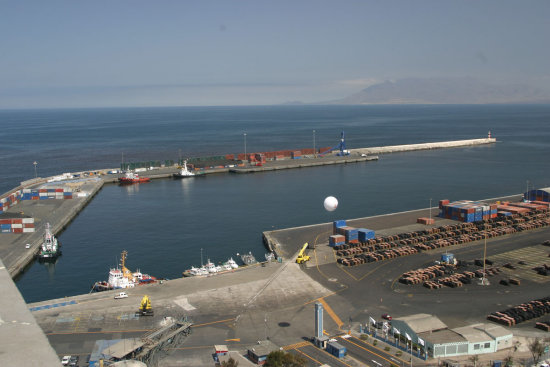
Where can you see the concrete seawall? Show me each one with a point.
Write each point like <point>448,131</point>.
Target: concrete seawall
<point>424,146</point>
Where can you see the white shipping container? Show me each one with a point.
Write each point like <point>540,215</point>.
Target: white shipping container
<point>16,225</point>
<point>28,230</point>
<point>82,194</point>
<point>28,220</point>
<point>26,191</point>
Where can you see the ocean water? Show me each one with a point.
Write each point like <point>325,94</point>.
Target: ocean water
<point>164,224</point>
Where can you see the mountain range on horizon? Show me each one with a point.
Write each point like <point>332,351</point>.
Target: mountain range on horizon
<point>445,91</point>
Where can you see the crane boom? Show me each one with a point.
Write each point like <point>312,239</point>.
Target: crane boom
<point>302,257</point>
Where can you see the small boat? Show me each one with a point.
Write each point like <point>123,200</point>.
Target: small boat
<point>184,172</point>
<point>122,277</point>
<point>131,178</point>
<point>248,259</point>
<point>50,247</point>
<point>232,263</point>
<point>193,272</point>
<point>269,257</point>
<point>212,268</point>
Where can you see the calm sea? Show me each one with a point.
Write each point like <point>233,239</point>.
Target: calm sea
<point>164,224</point>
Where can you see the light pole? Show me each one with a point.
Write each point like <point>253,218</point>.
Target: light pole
<point>430,210</point>
<point>35,173</point>
<point>314,153</point>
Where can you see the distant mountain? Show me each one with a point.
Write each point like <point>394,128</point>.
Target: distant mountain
<point>445,91</point>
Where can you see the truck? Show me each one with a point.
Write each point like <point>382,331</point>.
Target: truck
<point>121,295</point>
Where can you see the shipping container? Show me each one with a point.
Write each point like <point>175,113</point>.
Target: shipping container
<point>336,349</point>
<point>28,230</point>
<point>365,234</point>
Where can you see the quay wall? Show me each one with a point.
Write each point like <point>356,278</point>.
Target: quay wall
<point>423,146</point>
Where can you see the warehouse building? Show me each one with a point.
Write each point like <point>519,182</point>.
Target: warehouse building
<point>429,334</point>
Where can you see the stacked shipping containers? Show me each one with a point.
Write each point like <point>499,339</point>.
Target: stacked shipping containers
<point>365,234</point>
<point>34,194</point>
<point>17,225</point>
<point>467,211</point>
<point>537,195</point>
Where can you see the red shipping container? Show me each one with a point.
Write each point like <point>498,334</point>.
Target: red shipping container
<point>67,197</point>
<point>43,190</point>
<point>5,221</point>
<point>17,221</point>
<point>17,230</point>
<point>58,190</point>
<point>28,225</point>
<point>35,198</point>
<point>353,241</point>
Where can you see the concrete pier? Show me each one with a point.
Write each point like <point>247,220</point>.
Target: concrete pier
<point>424,146</point>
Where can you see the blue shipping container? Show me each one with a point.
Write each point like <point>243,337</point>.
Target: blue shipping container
<point>336,349</point>
<point>5,226</point>
<point>365,234</point>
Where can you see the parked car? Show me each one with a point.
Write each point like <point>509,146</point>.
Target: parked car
<point>121,295</point>
<point>65,360</point>
<point>386,317</point>
<point>73,361</point>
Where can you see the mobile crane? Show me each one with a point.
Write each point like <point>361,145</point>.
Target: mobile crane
<point>145,309</point>
<point>302,257</point>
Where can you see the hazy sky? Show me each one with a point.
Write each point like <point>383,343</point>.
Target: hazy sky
<point>231,52</point>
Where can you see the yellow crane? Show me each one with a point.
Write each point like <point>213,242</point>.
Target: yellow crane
<point>145,309</point>
<point>302,257</point>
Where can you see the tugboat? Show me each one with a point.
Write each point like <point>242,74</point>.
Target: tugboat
<point>123,278</point>
<point>184,172</point>
<point>131,178</point>
<point>50,247</point>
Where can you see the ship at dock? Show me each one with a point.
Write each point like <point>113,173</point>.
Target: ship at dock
<point>132,178</point>
<point>49,251</point>
<point>121,277</point>
<point>184,172</point>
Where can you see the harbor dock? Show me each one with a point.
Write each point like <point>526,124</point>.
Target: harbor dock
<point>238,301</point>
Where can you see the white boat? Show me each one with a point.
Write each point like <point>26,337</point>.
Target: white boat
<point>120,278</point>
<point>50,247</point>
<point>232,263</point>
<point>270,256</point>
<point>211,267</point>
<point>184,172</point>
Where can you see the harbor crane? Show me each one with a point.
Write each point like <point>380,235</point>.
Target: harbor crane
<point>302,257</point>
<point>341,147</point>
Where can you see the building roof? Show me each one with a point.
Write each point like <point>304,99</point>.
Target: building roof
<point>472,334</point>
<point>442,337</point>
<point>124,347</point>
<point>237,357</point>
<point>495,331</point>
<point>263,348</point>
<point>220,348</point>
<point>423,322</point>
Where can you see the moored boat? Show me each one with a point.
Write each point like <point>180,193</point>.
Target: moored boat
<point>248,259</point>
<point>184,172</point>
<point>131,178</point>
<point>50,247</point>
<point>122,277</point>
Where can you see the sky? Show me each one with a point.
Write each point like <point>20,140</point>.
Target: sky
<point>231,52</point>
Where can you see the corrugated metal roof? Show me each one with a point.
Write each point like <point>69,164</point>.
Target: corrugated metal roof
<point>442,337</point>
<point>423,322</point>
<point>496,331</point>
<point>472,334</point>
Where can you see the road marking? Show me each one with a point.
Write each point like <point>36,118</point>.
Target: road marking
<point>213,322</point>
<point>370,351</point>
<point>308,356</point>
<point>297,345</point>
<point>233,340</point>
<point>330,312</point>
<point>362,341</point>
